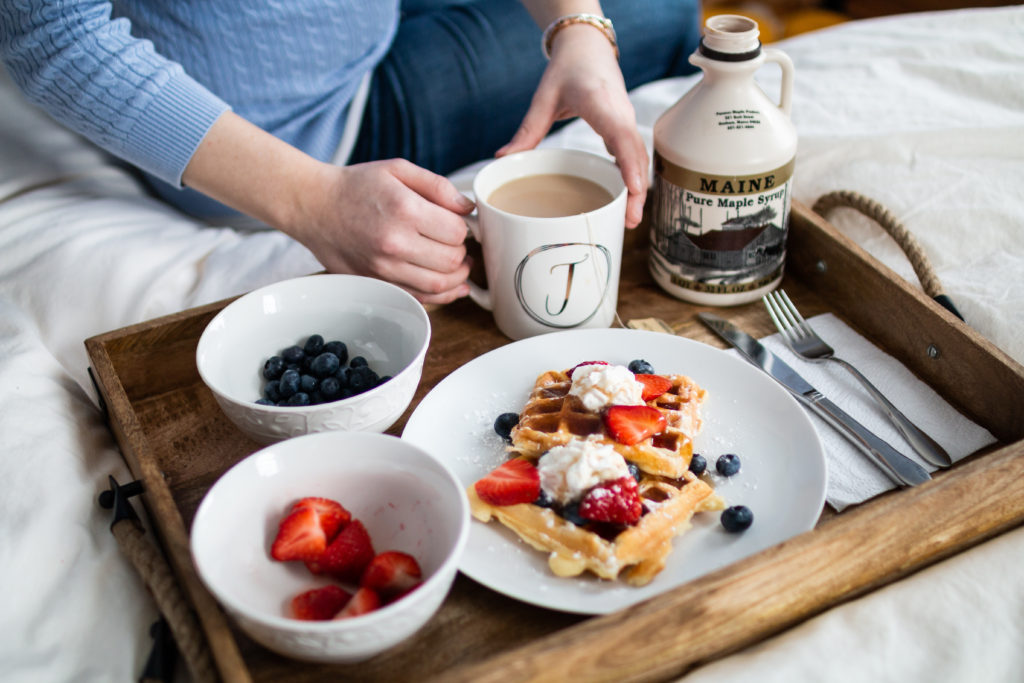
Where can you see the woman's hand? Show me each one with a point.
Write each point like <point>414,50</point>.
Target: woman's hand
<point>391,220</point>
<point>583,79</point>
<point>388,219</point>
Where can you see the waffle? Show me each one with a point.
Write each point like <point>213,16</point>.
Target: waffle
<point>639,552</point>
<point>552,418</point>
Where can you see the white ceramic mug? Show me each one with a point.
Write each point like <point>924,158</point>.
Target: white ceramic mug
<point>549,274</point>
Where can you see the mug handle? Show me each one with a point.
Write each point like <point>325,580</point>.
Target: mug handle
<point>481,296</point>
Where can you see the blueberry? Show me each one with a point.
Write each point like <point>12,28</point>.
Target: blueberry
<point>640,367</point>
<point>299,398</point>
<point>358,361</point>
<point>571,513</point>
<point>314,345</point>
<point>330,388</point>
<point>504,423</point>
<point>343,375</point>
<point>698,464</point>
<point>634,470</point>
<point>273,368</point>
<point>737,518</point>
<point>308,383</point>
<point>265,402</point>
<point>272,391</point>
<point>316,398</point>
<point>339,349</point>
<point>383,379</point>
<point>544,500</point>
<point>728,464</point>
<point>289,383</point>
<point>324,364</point>
<point>293,355</point>
<point>360,378</point>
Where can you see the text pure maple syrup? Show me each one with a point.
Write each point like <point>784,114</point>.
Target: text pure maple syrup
<point>723,169</point>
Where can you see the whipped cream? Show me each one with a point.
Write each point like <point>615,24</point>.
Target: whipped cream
<point>598,386</point>
<point>567,472</point>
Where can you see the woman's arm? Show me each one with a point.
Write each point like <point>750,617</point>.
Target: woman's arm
<point>583,79</point>
<point>88,72</point>
<point>387,219</point>
<point>390,220</point>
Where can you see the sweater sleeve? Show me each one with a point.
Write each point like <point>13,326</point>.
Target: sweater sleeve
<point>87,71</point>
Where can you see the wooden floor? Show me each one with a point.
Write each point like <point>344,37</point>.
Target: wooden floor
<point>778,19</point>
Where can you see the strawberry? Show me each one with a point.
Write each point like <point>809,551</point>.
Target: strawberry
<point>319,604</point>
<point>654,385</point>
<point>391,573</point>
<point>632,424</point>
<point>348,554</point>
<point>586,362</point>
<point>299,537</point>
<point>616,501</point>
<point>399,596</point>
<point>365,600</point>
<point>512,482</point>
<point>331,514</point>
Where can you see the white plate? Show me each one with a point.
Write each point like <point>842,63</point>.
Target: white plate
<point>782,479</point>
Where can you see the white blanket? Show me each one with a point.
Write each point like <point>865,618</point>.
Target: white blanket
<point>924,113</point>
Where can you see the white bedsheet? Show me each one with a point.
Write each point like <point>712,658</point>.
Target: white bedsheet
<point>924,113</point>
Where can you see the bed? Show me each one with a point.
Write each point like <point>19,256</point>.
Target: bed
<point>922,112</point>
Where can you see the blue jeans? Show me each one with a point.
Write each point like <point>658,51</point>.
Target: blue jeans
<point>461,73</point>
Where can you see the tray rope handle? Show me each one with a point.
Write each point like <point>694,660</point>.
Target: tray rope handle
<point>158,577</point>
<point>904,239</point>
<point>151,565</point>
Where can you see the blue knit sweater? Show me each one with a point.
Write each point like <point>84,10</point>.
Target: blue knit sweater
<point>145,79</point>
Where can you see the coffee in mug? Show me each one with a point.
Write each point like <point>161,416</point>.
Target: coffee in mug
<point>549,195</point>
<point>550,223</point>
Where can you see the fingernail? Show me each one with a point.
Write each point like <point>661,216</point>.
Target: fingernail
<point>465,202</point>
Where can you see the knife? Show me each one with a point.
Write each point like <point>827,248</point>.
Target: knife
<point>898,467</point>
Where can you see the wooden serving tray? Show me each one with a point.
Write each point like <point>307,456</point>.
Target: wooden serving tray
<point>176,440</point>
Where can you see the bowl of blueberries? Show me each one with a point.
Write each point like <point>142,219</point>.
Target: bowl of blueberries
<point>315,354</point>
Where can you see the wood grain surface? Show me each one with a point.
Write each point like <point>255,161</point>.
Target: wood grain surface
<point>176,440</point>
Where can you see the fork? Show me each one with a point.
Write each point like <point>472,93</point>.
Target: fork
<point>805,342</point>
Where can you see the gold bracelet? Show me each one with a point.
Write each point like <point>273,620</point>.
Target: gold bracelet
<point>603,24</point>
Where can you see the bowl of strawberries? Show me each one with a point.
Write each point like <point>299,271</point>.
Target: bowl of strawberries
<point>331,547</point>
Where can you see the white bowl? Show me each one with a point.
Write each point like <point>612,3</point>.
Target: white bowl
<point>408,501</point>
<point>377,320</point>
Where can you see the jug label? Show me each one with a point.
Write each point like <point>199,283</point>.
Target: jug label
<point>719,234</point>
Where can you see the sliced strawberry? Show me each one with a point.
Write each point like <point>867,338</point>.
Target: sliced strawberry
<point>365,600</point>
<point>331,514</point>
<point>319,604</point>
<point>616,501</point>
<point>299,537</point>
<point>399,596</point>
<point>348,554</point>
<point>391,573</point>
<point>654,385</point>
<point>632,424</point>
<point>512,482</point>
<point>586,362</point>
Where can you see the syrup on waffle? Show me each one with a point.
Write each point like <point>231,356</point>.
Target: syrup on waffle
<point>552,417</point>
<point>638,552</point>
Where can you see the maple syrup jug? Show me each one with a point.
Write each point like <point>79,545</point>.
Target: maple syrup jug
<point>723,168</point>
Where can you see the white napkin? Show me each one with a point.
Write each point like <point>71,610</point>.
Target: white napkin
<point>852,478</point>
